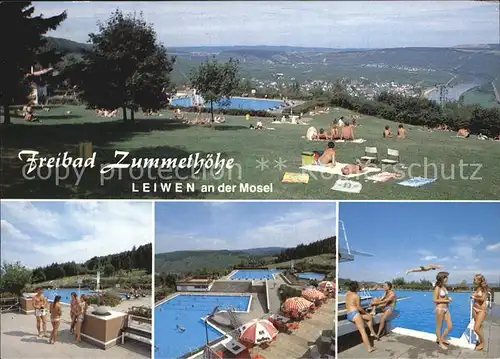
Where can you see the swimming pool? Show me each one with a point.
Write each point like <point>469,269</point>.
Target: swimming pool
<point>235,103</point>
<point>311,276</point>
<point>254,274</point>
<point>65,293</point>
<point>187,312</point>
<point>417,312</point>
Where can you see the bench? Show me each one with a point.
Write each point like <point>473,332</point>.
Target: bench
<point>135,333</point>
<point>9,304</point>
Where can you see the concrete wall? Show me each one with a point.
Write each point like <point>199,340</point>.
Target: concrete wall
<point>103,331</point>
<point>232,287</point>
<point>26,305</point>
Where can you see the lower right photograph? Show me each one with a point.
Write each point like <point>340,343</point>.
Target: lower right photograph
<point>418,280</point>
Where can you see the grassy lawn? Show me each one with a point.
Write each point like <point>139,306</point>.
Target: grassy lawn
<point>162,137</point>
<point>134,276</point>
<point>322,259</point>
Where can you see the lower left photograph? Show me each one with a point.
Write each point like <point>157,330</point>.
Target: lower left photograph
<point>76,279</point>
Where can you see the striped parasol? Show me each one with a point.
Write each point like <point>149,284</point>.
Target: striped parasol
<point>258,331</point>
<point>296,304</point>
<point>312,294</point>
<point>326,285</point>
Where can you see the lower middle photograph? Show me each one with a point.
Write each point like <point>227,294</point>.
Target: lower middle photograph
<point>245,279</point>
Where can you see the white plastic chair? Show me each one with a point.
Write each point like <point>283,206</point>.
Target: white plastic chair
<point>371,154</point>
<point>392,157</point>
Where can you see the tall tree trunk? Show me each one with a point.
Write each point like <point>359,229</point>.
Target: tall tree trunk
<point>132,115</point>
<point>6,114</point>
<point>124,109</point>
<point>211,114</point>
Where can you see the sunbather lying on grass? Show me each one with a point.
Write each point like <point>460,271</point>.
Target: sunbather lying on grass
<point>354,168</point>
<point>424,269</point>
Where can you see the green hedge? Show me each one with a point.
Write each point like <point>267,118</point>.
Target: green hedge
<point>142,311</point>
<point>106,299</point>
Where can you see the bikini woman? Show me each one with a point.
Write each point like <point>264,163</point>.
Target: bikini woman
<point>55,318</point>
<point>479,308</point>
<point>442,309</point>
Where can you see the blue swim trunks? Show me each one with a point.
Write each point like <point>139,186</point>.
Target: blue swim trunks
<point>352,315</point>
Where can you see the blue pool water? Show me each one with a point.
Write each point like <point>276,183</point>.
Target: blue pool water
<point>417,312</point>
<point>187,311</point>
<point>311,276</point>
<point>235,103</point>
<point>254,274</point>
<point>65,293</point>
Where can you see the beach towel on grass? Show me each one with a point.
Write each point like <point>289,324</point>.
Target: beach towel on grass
<point>348,186</point>
<point>291,177</point>
<point>417,182</point>
<point>359,140</point>
<point>383,176</point>
<point>337,170</point>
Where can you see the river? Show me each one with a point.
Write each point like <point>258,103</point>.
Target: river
<point>454,92</point>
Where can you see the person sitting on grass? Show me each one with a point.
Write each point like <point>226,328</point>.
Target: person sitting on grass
<point>357,315</point>
<point>387,132</point>
<point>387,303</point>
<point>327,158</point>
<point>259,125</point>
<point>347,132</point>
<point>334,132</point>
<point>322,135</point>
<point>424,269</point>
<point>497,138</point>
<point>402,132</point>
<point>463,133</point>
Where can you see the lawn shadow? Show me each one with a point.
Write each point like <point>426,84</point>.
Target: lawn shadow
<point>230,127</point>
<point>50,140</point>
<point>47,116</point>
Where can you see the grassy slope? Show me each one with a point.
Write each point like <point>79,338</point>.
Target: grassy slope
<point>159,137</point>
<point>322,259</point>
<point>135,275</point>
<point>193,260</point>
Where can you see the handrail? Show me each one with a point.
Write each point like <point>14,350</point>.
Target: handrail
<point>345,236</point>
<point>470,319</point>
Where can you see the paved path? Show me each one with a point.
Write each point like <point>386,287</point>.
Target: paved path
<point>19,339</point>
<point>397,346</point>
<point>274,299</point>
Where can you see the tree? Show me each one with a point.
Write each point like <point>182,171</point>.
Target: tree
<point>127,67</point>
<point>21,36</point>
<point>109,270</point>
<point>216,82</point>
<point>14,277</point>
<point>398,282</point>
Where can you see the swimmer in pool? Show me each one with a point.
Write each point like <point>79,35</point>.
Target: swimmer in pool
<point>179,328</point>
<point>424,269</point>
<point>357,315</point>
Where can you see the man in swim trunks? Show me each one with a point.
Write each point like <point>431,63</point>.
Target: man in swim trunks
<point>327,159</point>
<point>357,315</point>
<point>424,269</point>
<point>387,303</point>
<point>40,305</point>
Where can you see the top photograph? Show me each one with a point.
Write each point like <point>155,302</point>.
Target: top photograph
<point>265,100</point>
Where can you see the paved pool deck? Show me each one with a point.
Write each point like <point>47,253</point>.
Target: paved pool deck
<point>397,346</point>
<point>19,339</point>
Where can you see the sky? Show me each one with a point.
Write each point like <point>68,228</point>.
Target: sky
<point>241,225</point>
<point>461,236</point>
<point>41,233</point>
<point>334,24</point>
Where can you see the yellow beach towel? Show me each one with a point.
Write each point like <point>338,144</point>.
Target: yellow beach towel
<point>291,177</point>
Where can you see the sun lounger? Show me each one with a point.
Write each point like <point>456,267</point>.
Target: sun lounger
<point>9,304</point>
<point>392,157</point>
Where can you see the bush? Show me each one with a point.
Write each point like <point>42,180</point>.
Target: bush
<point>107,299</point>
<point>8,295</point>
<point>286,292</point>
<point>230,111</point>
<point>63,100</point>
<point>163,292</point>
<point>142,311</point>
